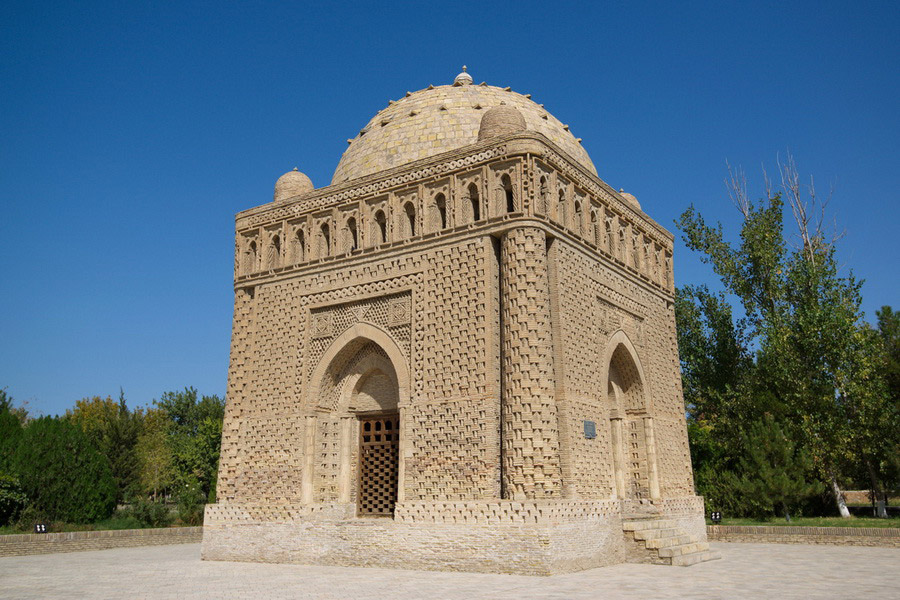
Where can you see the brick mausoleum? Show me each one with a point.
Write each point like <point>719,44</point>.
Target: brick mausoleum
<point>460,355</point>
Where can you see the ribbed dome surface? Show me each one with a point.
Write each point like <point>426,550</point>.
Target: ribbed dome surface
<point>432,121</point>
<point>293,183</point>
<point>501,120</point>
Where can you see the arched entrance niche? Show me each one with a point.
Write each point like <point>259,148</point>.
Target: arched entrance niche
<point>631,426</point>
<point>354,449</point>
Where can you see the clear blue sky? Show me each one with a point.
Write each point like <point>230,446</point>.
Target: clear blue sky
<point>132,132</point>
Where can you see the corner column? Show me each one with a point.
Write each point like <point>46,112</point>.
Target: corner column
<point>530,440</point>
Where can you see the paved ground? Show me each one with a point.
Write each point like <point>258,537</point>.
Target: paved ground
<point>745,571</point>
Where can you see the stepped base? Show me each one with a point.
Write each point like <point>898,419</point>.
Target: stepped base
<point>661,541</point>
<point>533,537</point>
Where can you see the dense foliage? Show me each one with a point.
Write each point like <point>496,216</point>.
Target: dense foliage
<point>773,471</point>
<point>794,396</point>
<point>78,467</point>
<point>114,430</point>
<point>63,474</point>
<point>12,498</point>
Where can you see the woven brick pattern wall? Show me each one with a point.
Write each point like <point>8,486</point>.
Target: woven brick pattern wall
<point>530,440</point>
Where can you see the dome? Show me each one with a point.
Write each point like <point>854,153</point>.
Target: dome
<point>293,183</point>
<point>630,199</point>
<point>499,120</point>
<point>443,118</point>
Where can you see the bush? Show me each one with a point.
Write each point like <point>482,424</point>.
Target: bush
<point>150,513</point>
<point>190,502</point>
<point>64,476</point>
<point>12,498</point>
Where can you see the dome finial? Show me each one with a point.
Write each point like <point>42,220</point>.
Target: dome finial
<point>463,78</point>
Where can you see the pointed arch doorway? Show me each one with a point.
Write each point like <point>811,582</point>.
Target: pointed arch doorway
<point>358,388</point>
<point>631,427</point>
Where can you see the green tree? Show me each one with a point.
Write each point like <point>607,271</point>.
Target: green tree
<point>716,369</point>
<point>19,412</point>
<point>63,474</point>
<point>889,333</point>
<point>878,435</point>
<point>114,430</point>
<point>194,435</point>
<point>153,454</point>
<point>773,471</point>
<point>10,434</point>
<point>715,361</point>
<point>803,317</point>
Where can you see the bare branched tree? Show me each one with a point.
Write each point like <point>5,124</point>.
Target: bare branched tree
<point>809,211</point>
<point>737,189</point>
<point>815,234</point>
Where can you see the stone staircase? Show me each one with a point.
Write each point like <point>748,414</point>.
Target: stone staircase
<point>660,542</point>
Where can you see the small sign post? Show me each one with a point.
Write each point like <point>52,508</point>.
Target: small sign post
<point>41,528</point>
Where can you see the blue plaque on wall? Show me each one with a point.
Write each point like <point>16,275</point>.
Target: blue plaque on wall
<point>590,430</point>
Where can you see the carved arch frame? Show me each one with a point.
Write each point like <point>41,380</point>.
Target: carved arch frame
<point>617,339</point>
<point>365,332</point>
<point>621,338</point>
<point>361,331</point>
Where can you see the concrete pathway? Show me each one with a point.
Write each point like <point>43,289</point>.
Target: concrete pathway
<point>745,571</point>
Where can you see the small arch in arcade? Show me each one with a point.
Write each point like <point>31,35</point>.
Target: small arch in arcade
<point>410,212</point>
<point>324,241</point>
<point>506,184</point>
<point>440,204</point>
<point>474,202</point>
<point>381,227</point>
<point>352,235</point>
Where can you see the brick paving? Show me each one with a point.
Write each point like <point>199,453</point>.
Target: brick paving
<point>745,571</point>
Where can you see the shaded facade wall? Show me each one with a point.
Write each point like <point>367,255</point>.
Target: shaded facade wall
<point>596,300</point>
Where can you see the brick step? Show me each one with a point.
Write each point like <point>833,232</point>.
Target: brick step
<point>686,560</point>
<point>667,542</point>
<point>641,525</point>
<point>683,549</point>
<point>652,534</point>
<point>640,516</point>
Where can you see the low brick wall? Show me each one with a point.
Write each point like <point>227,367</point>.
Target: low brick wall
<point>843,536</point>
<point>76,541</point>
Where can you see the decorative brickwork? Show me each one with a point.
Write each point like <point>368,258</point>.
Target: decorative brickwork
<point>511,316</point>
<point>530,429</point>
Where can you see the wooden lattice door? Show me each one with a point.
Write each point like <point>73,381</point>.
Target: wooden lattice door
<point>378,464</point>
